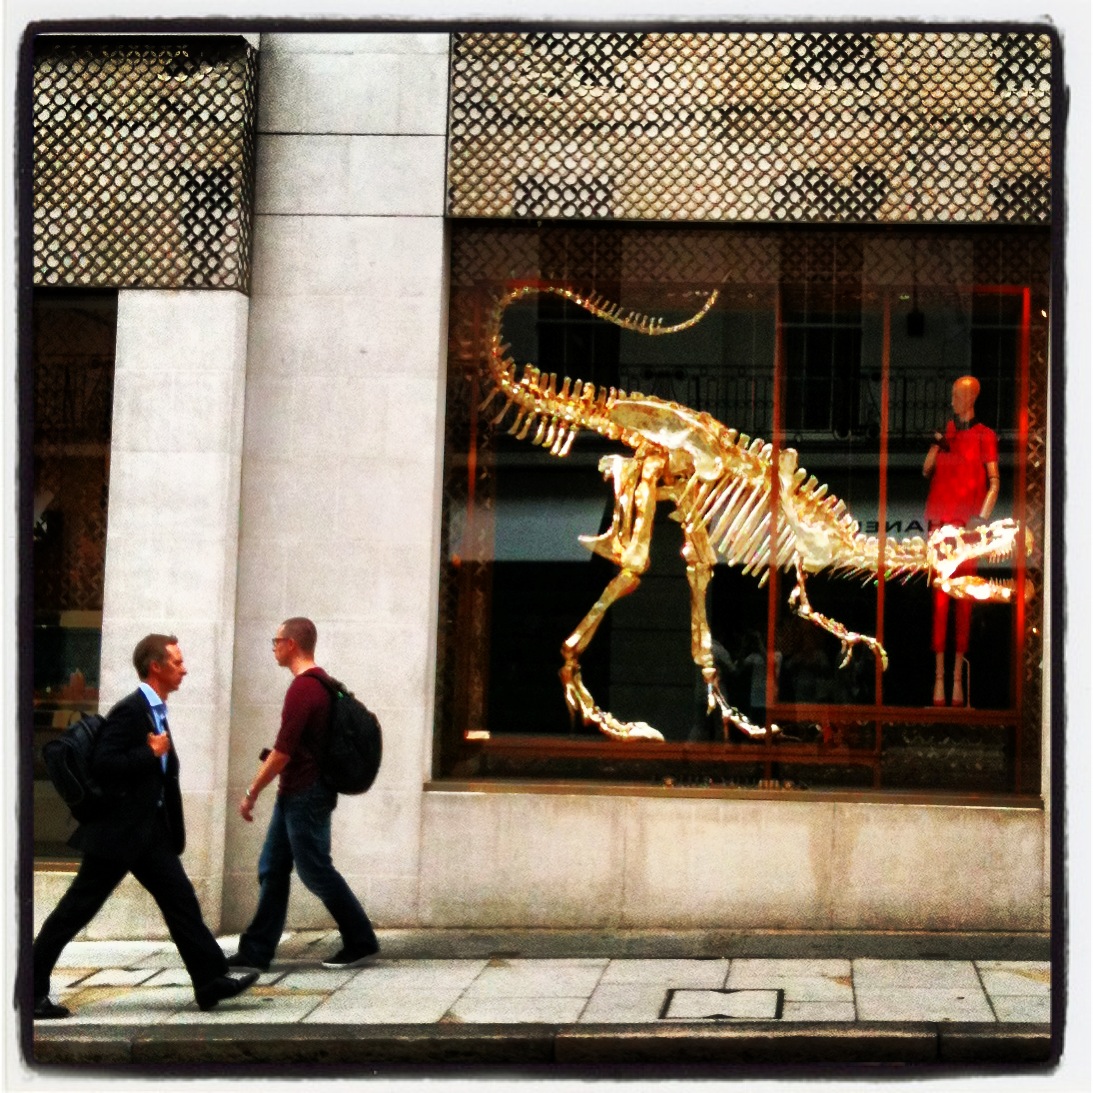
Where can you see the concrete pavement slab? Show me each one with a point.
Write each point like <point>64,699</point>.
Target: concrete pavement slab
<point>882,974</point>
<point>923,1004</point>
<point>1022,1009</point>
<point>260,1005</point>
<point>667,973</point>
<point>624,1003</point>
<point>386,1005</point>
<point>800,980</point>
<point>538,978</point>
<point>1015,977</point>
<point>527,1009</point>
<point>819,1011</point>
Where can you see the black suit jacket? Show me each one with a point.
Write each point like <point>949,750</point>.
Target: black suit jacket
<point>134,784</point>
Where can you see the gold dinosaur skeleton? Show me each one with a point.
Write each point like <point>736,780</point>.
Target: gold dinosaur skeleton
<point>728,500</point>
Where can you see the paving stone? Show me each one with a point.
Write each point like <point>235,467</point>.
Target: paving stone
<point>533,1010</point>
<point>541,978</point>
<point>126,1005</point>
<point>923,1004</point>
<point>819,1011</point>
<point>667,973</point>
<point>118,977</point>
<point>934,974</point>
<point>256,1006</point>
<point>1012,977</point>
<point>800,980</point>
<point>385,1006</point>
<point>1024,1009</point>
<point>624,1003</point>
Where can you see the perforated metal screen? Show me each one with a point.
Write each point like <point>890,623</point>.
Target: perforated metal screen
<point>143,161</point>
<point>812,127</point>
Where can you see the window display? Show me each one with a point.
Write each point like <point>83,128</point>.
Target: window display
<point>810,337</point>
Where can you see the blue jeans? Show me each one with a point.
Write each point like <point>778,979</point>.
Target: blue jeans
<point>299,834</point>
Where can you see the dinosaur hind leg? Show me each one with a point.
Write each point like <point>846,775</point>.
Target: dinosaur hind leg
<point>577,696</point>
<point>798,600</point>
<point>699,574</point>
<point>636,498</point>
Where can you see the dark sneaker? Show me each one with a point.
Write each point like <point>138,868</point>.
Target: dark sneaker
<point>45,1009</point>
<point>351,958</point>
<point>240,961</point>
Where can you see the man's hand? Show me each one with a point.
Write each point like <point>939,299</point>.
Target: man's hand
<point>246,805</point>
<point>160,743</point>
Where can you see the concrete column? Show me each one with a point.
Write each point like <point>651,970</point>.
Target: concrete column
<point>172,538</point>
<point>343,432</point>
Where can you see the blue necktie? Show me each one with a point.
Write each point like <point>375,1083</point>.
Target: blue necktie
<point>161,728</point>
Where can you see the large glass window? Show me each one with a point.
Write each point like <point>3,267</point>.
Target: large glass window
<point>843,345</point>
<point>73,368</point>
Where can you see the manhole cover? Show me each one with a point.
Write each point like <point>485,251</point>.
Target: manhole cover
<point>686,1004</point>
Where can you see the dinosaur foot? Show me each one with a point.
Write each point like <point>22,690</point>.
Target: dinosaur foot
<point>581,704</point>
<point>732,718</point>
<point>851,640</point>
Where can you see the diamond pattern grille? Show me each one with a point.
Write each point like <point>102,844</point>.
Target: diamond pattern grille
<point>801,127</point>
<point>143,162</point>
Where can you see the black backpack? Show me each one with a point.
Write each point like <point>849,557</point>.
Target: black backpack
<point>67,759</point>
<point>354,743</point>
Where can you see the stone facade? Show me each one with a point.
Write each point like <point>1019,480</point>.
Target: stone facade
<point>295,454</point>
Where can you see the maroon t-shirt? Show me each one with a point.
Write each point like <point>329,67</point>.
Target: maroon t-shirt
<point>304,720</point>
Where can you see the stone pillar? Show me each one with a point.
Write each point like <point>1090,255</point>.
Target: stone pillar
<point>343,432</point>
<point>172,535</point>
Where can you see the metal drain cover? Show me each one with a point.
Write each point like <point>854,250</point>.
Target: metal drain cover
<point>686,1004</point>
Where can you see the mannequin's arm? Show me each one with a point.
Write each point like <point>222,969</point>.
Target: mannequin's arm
<point>993,484</point>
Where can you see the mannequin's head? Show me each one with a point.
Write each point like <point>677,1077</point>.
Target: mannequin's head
<point>965,392</point>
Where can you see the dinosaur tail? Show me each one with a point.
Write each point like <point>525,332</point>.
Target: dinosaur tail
<point>548,413</point>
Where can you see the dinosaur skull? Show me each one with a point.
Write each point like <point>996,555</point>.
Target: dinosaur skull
<point>949,547</point>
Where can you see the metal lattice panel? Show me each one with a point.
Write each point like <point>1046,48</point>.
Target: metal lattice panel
<point>144,162</point>
<point>771,127</point>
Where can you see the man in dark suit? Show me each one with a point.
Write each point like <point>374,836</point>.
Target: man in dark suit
<point>141,831</point>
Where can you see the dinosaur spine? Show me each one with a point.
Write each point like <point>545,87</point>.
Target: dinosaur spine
<point>549,415</point>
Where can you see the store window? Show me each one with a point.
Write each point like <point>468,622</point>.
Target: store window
<point>843,345</point>
<point>73,368</point>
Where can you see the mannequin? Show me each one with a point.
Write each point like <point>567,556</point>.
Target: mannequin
<point>962,466</point>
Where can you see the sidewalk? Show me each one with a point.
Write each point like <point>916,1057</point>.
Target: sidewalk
<point>535,999</point>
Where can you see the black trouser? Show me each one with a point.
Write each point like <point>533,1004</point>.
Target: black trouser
<point>159,870</point>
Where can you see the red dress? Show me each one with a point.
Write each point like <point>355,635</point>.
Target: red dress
<point>958,488</point>
<point>959,482</point>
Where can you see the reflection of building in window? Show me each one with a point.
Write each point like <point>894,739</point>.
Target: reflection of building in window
<point>823,330</point>
<point>73,369</point>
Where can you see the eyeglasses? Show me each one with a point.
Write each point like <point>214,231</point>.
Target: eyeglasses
<point>274,641</point>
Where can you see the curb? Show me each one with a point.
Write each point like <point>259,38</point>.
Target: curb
<point>229,1046</point>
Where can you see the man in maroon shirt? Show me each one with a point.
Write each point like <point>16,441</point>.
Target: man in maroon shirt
<point>299,829</point>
